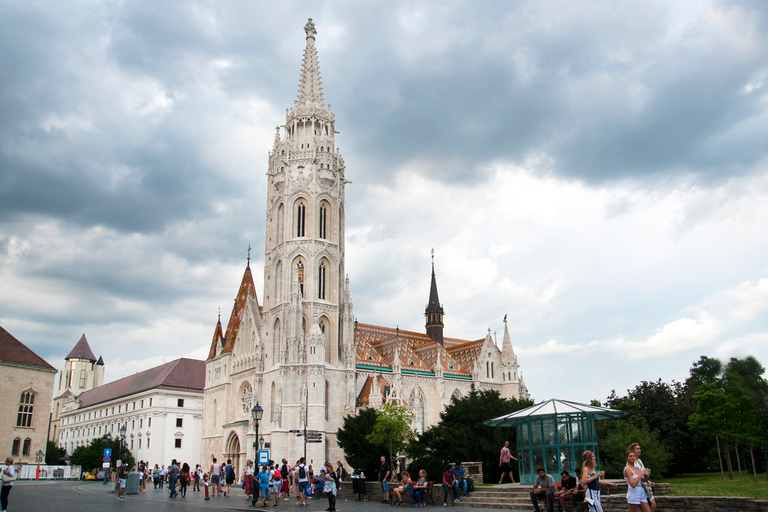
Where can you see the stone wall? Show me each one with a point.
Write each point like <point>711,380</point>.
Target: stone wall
<point>618,503</point>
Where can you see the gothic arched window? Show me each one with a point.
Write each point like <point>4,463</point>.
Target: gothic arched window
<point>322,228</point>
<point>321,282</point>
<point>26,404</point>
<point>301,218</point>
<point>300,275</point>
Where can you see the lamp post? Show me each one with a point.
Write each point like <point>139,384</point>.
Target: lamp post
<point>256,413</point>
<point>122,439</point>
<point>107,441</point>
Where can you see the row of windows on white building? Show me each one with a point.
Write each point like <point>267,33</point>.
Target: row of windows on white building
<point>82,436</point>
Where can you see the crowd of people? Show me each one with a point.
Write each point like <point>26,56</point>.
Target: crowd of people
<point>259,483</point>
<point>588,487</point>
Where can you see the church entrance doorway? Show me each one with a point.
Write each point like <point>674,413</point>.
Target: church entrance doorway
<point>233,452</point>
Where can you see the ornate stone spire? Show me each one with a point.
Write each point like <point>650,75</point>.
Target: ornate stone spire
<point>434,310</point>
<point>507,352</point>
<point>310,91</point>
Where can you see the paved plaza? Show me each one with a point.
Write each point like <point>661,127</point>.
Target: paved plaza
<point>95,496</point>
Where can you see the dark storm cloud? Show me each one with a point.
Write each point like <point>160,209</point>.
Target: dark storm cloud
<point>606,93</point>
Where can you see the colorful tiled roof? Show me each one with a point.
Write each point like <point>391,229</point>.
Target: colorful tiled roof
<point>246,290</point>
<point>14,352</point>
<point>375,346</point>
<point>216,342</point>
<point>81,351</point>
<point>364,397</point>
<point>467,353</point>
<point>181,375</point>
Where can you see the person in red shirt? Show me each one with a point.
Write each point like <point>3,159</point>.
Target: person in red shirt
<point>448,484</point>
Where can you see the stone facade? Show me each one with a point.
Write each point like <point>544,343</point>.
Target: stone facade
<point>301,355</point>
<point>26,385</point>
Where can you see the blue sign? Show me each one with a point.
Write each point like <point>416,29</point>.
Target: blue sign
<point>107,452</point>
<point>107,458</point>
<point>263,456</point>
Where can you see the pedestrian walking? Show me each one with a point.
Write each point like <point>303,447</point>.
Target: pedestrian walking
<point>505,463</point>
<point>9,475</point>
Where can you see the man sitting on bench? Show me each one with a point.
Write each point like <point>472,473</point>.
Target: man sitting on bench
<point>543,486</point>
<point>567,489</point>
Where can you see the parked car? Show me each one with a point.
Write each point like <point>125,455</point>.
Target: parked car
<point>89,476</point>
<point>100,475</point>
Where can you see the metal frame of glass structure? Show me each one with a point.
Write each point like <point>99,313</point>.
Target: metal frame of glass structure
<point>554,435</point>
<point>555,443</point>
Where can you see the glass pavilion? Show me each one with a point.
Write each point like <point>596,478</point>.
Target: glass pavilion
<point>553,435</point>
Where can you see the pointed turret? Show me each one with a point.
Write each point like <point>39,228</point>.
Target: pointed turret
<point>310,91</point>
<point>217,342</point>
<point>247,289</point>
<point>507,352</point>
<point>81,351</point>
<point>434,310</point>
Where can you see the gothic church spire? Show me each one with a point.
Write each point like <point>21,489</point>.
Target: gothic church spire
<point>434,310</point>
<point>310,91</point>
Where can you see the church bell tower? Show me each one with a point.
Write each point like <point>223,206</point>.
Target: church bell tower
<point>304,254</point>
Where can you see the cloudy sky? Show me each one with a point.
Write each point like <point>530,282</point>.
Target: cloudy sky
<point>595,170</point>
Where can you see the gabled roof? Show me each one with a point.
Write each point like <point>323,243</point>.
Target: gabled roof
<point>364,397</point>
<point>467,353</point>
<point>217,341</point>
<point>181,375</point>
<point>398,351</point>
<point>81,351</point>
<point>246,290</point>
<point>15,353</point>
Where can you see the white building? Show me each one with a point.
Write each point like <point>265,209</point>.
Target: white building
<point>161,408</point>
<point>301,354</point>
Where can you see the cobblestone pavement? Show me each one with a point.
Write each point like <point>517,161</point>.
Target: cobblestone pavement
<point>60,496</point>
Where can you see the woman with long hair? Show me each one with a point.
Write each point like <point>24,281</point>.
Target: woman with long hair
<point>637,499</point>
<point>406,486</point>
<point>184,479</point>
<point>591,478</point>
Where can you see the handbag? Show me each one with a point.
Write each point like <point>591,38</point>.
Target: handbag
<point>8,478</point>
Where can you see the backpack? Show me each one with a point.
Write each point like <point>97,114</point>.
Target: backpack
<point>470,485</point>
<point>302,472</point>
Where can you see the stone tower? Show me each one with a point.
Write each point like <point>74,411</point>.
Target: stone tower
<point>82,371</point>
<point>295,354</point>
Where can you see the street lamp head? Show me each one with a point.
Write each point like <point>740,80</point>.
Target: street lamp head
<point>122,430</point>
<point>261,443</point>
<point>108,437</point>
<point>257,412</point>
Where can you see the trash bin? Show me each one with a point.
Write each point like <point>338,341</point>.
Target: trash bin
<point>132,483</point>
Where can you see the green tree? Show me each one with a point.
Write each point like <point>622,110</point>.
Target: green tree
<point>54,454</point>
<point>461,435</point>
<point>360,453</point>
<point>392,428</point>
<point>91,456</point>
<point>622,433</point>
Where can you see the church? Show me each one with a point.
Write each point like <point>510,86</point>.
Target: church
<point>299,351</point>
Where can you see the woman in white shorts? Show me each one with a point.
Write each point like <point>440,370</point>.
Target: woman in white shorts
<point>277,483</point>
<point>636,497</point>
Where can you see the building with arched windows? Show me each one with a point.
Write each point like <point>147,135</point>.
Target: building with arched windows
<point>26,385</point>
<point>300,352</point>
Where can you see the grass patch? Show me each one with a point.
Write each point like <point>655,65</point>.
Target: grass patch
<point>712,484</point>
